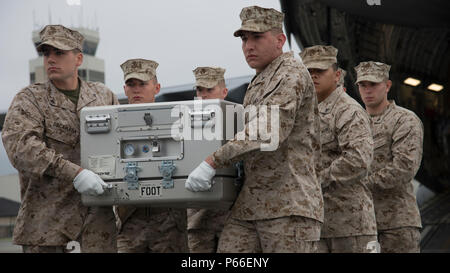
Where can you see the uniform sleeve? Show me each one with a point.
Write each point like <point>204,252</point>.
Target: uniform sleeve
<point>284,95</point>
<point>356,145</point>
<point>406,155</point>
<point>23,139</point>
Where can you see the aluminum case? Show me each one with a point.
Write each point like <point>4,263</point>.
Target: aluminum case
<point>146,151</point>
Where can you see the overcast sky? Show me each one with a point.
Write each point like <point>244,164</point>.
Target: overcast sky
<point>179,34</point>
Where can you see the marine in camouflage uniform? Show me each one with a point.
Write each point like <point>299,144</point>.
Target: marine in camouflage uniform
<point>347,149</point>
<point>280,206</point>
<point>41,136</point>
<point>147,229</point>
<point>398,140</point>
<point>206,225</point>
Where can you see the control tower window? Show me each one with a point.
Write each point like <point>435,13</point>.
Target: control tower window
<point>96,76</point>
<point>89,48</point>
<point>32,78</point>
<point>82,74</point>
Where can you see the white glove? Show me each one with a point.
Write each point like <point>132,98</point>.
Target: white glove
<point>88,182</point>
<point>200,178</point>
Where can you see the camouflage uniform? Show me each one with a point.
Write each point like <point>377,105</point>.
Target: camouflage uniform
<point>293,234</point>
<point>205,225</point>
<point>398,138</point>
<point>41,135</point>
<point>155,230</point>
<point>347,149</point>
<point>204,229</point>
<point>146,229</point>
<point>281,199</point>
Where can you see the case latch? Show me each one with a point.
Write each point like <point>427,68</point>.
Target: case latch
<point>131,177</point>
<point>96,124</point>
<point>166,169</point>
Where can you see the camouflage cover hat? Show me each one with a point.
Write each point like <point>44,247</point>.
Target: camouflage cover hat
<point>319,56</point>
<point>208,76</point>
<point>372,71</point>
<point>140,69</point>
<point>257,19</point>
<point>342,77</point>
<point>60,37</point>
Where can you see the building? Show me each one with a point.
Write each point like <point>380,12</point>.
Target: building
<point>9,199</point>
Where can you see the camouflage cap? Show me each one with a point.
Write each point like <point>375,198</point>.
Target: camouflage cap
<point>60,37</point>
<point>319,56</point>
<point>208,77</point>
<point>140,69</point>
<point>257,19</point>
<point>342,78</point>
<point>372,71</point>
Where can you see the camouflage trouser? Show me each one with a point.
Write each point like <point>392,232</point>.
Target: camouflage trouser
<point>203,240</point>
<point>157,230</point>
<point>44,249</point>
<point>99,232</point>
<point>204,229</point>
<point>99,235</point>
<point>400,240</point>
<point>351,244</point>
<point>293,234</point>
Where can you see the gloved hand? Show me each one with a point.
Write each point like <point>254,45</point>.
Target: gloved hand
<point>200,178</point>
<point>88,182</point>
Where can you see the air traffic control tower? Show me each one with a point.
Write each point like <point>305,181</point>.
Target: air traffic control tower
<point>92,69</point>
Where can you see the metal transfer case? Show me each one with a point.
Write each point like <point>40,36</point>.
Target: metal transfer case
<point>145,152</point>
